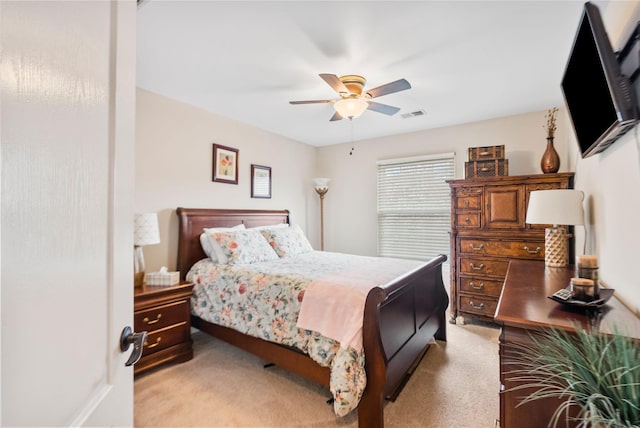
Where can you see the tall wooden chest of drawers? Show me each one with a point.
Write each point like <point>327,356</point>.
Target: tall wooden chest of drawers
<point>488,229</point>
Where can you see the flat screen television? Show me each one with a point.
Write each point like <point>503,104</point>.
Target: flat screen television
<point>600,100</point>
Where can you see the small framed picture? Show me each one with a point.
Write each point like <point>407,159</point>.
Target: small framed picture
<point>225,164</point>
<point>260,181</point>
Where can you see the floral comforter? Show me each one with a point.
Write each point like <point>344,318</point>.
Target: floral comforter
<point>263,300</point>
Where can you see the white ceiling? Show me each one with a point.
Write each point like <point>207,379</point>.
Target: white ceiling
<point>466,60</point>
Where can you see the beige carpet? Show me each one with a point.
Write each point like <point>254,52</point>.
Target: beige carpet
<point>455,385</point>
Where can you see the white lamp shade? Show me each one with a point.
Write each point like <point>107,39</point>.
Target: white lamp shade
<point>145,229</point>
<point>321,183</point>
<point>557,206</point>
<point>350,107</point>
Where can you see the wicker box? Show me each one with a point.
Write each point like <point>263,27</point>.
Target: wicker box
<point>486,168</point>
<point>162,278</point>
<point>486,153</point>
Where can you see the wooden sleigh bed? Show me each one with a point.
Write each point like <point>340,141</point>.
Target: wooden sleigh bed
<point>400,318</point>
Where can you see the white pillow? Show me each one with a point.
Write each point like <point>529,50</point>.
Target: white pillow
<point>244,246</point>
<point>270,226</point>
<point>287,242</point>
<point>209,245</point>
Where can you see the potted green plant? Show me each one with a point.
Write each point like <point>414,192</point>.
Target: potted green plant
<point>598,373</point>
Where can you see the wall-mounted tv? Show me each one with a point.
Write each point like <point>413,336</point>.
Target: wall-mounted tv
<point>600,99</point>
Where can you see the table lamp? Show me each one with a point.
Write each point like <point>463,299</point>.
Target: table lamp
<point>557,207</point>
<point>145,232</point>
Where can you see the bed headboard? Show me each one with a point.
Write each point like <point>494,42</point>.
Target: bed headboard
<point>193,220</point>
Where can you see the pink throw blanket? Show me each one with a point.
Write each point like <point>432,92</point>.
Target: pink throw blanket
<point>334,304</point>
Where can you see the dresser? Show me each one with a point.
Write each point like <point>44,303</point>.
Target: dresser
<point>164,312</point>
<point>523,309</point>
<point>488,230</point>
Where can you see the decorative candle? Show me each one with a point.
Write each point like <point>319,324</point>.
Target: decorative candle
<point>583,288</point>
<point>588,268</point>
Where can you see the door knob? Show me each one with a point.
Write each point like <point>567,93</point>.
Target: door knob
<point>127,338</point>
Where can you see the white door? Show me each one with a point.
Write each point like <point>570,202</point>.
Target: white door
<point>67,76</point>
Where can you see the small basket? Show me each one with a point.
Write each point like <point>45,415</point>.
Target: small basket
<point>487,168</point>
<point>486,153</point>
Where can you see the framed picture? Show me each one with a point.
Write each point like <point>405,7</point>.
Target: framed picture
<point>260,181</point>
<point>225,164</point>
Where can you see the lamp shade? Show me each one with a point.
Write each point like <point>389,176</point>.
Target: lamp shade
<point>557,206</point>
<point>145,229</point>
<point>321,183</point>
<point>350,107</point>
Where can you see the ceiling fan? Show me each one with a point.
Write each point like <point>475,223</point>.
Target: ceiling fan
<point>354,100</point>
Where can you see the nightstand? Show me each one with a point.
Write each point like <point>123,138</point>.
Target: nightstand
<point>164,313</point>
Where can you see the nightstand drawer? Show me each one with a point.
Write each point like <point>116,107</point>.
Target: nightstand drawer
<point>161,339</point>
<point>484,266</point>
<point>482,286</point>
<point>161,316</point>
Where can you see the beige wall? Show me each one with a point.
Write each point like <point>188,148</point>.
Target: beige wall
<point>350,205</point>
<point>611,183</point>
<point>174,145</point>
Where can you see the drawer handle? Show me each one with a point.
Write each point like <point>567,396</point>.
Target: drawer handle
<point>476,287</point>
<point>536,251</point>
<point>153,345</point>
<point>480,248</point>
<point>147,321</point>
<point>480,306</point>
<point>474,267</point>
<point>485,169</point>
<point>467,220</point>
<point>466,203</point>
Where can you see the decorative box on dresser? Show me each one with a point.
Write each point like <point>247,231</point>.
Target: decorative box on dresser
<point>488,229</point>
<point>164,312</point>
<point>525,309</point>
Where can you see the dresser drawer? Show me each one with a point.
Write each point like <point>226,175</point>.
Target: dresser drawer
<point>161,316</point>
<point>468,220</point>
<point>487,287</point>
<point>478,305</point>
<point>166,337</point>
<point>469,202</point>
<point>483,266</point>
<point>515,248</point>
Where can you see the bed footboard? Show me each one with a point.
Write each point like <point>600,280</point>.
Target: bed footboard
<point>400,320</point>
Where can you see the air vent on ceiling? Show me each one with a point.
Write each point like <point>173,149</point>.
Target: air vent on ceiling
<point>414,114</point>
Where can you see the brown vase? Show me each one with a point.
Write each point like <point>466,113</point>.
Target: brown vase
<point>550,160</point>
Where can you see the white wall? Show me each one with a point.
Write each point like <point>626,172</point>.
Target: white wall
<point>611,181</point>
<point>174,148</point>
<point>350,204</point>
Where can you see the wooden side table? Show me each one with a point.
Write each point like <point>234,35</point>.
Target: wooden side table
<point>524,309</point>
<point>164,312</point>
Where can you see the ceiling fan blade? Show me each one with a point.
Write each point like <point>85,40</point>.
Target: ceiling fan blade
<point>383,108</point>
<point>389,88</point>
<point>310,102</point>
<point>335,82</point>
<point>336,116</point>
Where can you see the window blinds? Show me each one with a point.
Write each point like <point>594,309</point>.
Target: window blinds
<point>414,206</point>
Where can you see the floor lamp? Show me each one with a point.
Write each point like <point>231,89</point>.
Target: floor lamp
<point>322,187</point>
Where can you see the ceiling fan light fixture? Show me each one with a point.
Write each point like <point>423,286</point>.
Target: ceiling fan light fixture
<point>350,107</point>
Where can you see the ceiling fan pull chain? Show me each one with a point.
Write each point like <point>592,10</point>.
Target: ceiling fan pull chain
<point>351,128</point>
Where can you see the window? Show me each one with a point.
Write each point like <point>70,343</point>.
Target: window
<point>414,206</point>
